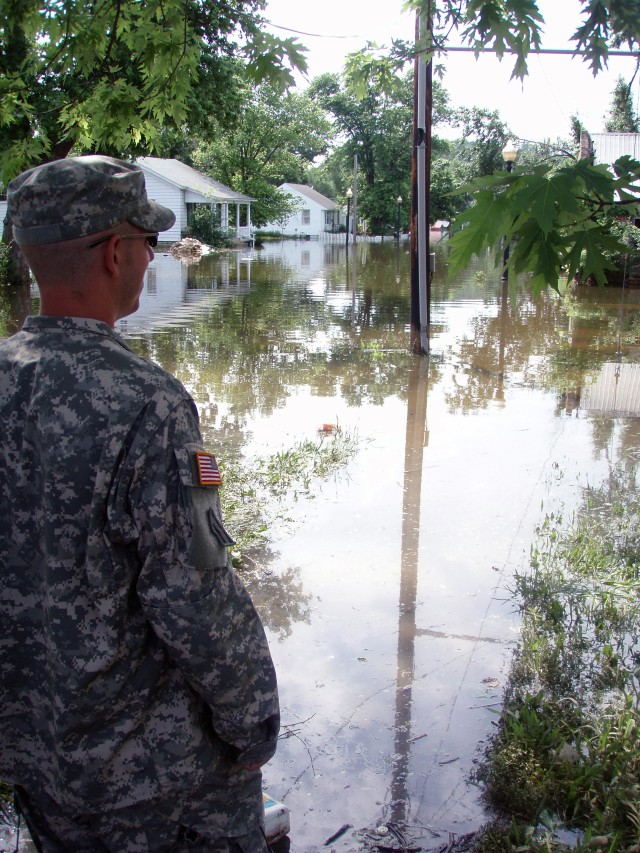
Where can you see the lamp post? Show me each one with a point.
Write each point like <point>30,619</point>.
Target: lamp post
<point>349,197</point>
<point>398,202</point>
<point>509,155</point>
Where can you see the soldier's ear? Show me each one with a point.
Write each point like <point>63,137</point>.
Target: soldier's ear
<point>113,254</point>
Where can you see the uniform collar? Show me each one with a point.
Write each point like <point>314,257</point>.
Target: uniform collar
<point>71,325</point>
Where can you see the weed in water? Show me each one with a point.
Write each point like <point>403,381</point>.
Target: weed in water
<point>567,740</point>
<point>258,495</point>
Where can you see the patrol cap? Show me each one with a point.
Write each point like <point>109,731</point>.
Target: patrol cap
<point>78,196</point>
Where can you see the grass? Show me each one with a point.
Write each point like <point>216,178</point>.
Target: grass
<point>566,755</point>
<point>258,495</point>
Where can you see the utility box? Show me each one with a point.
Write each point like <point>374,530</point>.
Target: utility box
<point>276,818</point>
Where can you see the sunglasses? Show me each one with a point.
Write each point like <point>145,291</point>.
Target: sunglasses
<point>152,239</point>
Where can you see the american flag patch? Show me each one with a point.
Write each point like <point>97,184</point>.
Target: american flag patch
<point>208,473</point>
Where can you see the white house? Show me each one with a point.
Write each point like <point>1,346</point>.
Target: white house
<point>177,186</point>
<point>608,147</point>
<point>314,216</point>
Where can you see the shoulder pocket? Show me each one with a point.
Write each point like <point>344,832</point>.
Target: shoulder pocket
<point>209,539</point>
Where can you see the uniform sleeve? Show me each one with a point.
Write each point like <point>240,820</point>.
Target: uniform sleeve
<point>194,600</point>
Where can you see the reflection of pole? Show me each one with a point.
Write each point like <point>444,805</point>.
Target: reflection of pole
<point>420,179</point>
<point>353,286</point>
<point>416,440</point>
<point>503,324</point>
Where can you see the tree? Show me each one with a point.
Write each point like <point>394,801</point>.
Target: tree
<point>375,124</point>
<point>567,205</point>
<point>106,76</point>
<point>561,218</point>
<point>558,219</point>
<point>513,28</point>
<point>482,137</point>
<point>111,76</point>
<point>622,116</point>
<point>274,139</point>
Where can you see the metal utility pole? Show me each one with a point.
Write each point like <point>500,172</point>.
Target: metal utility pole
<point>420,181</point>
<point>349,197</point>
<point>355,197</point>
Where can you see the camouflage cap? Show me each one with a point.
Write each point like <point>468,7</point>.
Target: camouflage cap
<point>79,196</point>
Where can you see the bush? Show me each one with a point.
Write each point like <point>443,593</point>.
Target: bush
<point>205,226</point>
<point>4,262</point>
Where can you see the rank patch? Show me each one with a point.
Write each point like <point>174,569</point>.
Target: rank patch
<point>208,474</point>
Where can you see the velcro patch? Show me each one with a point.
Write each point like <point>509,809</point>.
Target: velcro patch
<point>208,474</point>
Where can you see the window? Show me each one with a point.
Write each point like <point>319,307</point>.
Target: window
<point>306,216</point>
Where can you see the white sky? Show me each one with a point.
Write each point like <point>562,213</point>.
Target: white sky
<point>540,108</point>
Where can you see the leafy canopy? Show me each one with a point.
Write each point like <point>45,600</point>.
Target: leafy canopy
<point>513,28</point>
<point>273,139</point>
<point>107,75</point>
<point>561,218</point>
<point>557,219</point>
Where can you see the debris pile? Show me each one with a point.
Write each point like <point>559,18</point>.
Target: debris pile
<point>188,249</point>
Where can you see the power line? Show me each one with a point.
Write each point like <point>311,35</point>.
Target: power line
<point>312,35</point>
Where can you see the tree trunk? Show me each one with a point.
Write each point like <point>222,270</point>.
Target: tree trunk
<point>16,302</point>
<point>17,271</point>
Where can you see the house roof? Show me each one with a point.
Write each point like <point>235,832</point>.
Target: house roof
<point>607,147</point>
<point>311,194</point>
<point>183,176</point>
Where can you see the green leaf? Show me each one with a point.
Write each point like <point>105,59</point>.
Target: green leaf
<point>538,197</point>
<point>479,226</point>
<point>587,253</point>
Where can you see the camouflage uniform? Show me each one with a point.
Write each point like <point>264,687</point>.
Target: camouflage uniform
<point>134,669</point>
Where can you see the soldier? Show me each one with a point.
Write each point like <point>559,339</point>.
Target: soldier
<point>138,698</point>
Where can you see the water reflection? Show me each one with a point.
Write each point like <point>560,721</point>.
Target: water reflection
<point>387,596</point>
<point>415,441</point>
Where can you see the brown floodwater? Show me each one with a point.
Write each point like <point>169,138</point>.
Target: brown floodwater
<point>387,593</point>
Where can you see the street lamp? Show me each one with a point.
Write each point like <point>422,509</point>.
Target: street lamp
<point>398,202</point>
<point>509,155</point>
<point>349,197</point>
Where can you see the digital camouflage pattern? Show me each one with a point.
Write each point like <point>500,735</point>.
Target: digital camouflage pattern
<point>78,196</point>
<point>133,664</point>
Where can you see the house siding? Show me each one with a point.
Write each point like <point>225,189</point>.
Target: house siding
<point>295,225</point>
<point>170,196</point>
<point>173,191</point>
<point>608,147</point>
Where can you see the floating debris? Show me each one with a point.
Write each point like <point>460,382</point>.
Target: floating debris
<point>337,834</point>
<point>390,837</point>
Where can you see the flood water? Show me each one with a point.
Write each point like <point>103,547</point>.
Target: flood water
<point>387,593</point>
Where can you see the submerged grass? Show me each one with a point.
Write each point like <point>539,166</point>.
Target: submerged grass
<point>257,496</point>
<point>563,770</point>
